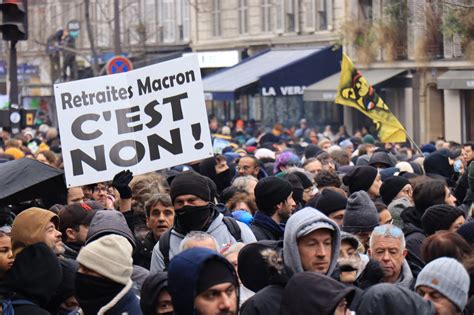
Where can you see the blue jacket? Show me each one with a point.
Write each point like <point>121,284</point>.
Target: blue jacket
<point>125,302</point>
<point>183,276</point>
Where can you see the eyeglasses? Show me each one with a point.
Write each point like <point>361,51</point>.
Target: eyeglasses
<point>388,230</point>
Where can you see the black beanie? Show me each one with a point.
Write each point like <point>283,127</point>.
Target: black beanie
<point>391,187</point>
<point>214,272</point>
<point>304,179</point>
<point>296,185</point>
<point>361,214</point>
<point>360,178</point>
<point>328,201</point>
<point>190,183</point>
<point>270,191</point>
<point>439,217</point>
<point>312,151</point>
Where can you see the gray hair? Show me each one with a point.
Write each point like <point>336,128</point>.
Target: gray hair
<point>241,182</point>
<point>388,230</point>
<point>232,249</point>
<point>197,236</point>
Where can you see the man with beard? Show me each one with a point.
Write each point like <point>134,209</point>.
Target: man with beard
<point>191,197</point>
<point>36,225</point>
<point>159,218</point>
<point>203,282</point>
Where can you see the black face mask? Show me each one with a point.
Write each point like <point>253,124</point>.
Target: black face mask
<point>93,292</point>
<point>192,218</point>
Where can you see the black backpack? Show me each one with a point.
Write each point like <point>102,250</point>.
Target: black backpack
<point>164,245</point>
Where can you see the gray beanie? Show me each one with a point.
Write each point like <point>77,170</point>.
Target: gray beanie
<point>448,277</point>
<point>361,214</point>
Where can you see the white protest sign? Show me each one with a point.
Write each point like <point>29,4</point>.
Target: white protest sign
<point>143,120</point>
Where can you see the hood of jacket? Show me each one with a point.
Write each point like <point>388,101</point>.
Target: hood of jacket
<point>411,216</point>
<point>387,298</point>
<point>35,274</point>
<point>107,222</point>
<point>438,163</point>
<point>151,288</point>
<point>306,221</point>
<point>326,293</point>
<point>183,275</point>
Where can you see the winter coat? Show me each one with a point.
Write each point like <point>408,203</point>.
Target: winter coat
<point>264,228</point>
<point>218,229</point>
<point>414,236</point>
<point>314,293</point>
<point>265,301</point>
<point>151,288</point>
<point>34,276</point>
<point>390,299</point>
<point>142,254</point>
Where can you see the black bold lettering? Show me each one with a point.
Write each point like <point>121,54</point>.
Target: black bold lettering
<point>164,82</point>
<point>76,101</point>
<point>155,116</point>
<point>190,76</point>
<point>115,153</point>
<point>123,120</point>
<point>155,142</point>
<point>97,163</point>
<point>176,105</point>
<point>144,88</point>
<point>123,93</point>
<point>130,92</point>
<point>180,78</point>
<point>66,100</point>
<point>76,127</point>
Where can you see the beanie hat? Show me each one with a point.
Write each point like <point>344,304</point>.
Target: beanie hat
<point>439,217</point>
<point>107,222</point>
<point>305,181</point>
<point>29,227</point>
<point>296,185</point>
<point>311,151</point>
<point>389,172</point>
<point>351,239</point>
<point>328,201</point>
<point>190,183</point>
<point>360,178</point>
<point>361,214</point>
<point>396,208</point>
<point>448,277</point>
<point>110,256</point>
<point>346,144</point>
<point>368,139</point>
<point>363,160</point>
<point>467,231</point>
<point>428,148</point>
<point>381,157</point>
<point>270,191</point>
<point>391,187</point>
<point>212,273</point>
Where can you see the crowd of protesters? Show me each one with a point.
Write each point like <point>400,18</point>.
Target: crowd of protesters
<point>281,221</point>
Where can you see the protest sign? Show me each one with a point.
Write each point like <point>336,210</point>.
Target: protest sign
<point>143,120</point>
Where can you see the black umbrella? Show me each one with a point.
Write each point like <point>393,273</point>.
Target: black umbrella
<point>27,179</point>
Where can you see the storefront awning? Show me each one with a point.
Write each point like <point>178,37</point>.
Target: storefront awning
<point>456,80</point>
<point>326,89</point>
<point>276,72</point>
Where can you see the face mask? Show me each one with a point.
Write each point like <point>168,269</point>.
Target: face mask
<point>192,218</point>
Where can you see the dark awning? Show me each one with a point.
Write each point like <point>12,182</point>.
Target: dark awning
<point>456,80</point>
<point>276,72</point>
<point>326,89</point>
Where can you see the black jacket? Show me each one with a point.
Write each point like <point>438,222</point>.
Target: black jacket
<point>414,236</point>
<point>142,254</point>
<point>264,228</point>
<point>151,288</point>
<point>35,276</point>
<point>265,301</point>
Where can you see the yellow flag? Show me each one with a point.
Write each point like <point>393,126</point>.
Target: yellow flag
<point>355,91</point>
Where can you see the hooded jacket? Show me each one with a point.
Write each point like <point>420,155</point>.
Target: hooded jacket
<point>391,299</point>
<point>414,236</point>
<point>218,229</point>
<point>183,276</point>
<point>35,276</point>
<point>437,164</point>
<point>151,288</point>
<point>314,293</point>
<point>307,220</point>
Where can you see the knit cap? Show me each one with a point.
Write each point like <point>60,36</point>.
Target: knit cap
<point>110,256</point>
<point>391,187</point>
<point>439,217</point>
<point>297,186</point>
<point>448,277</point>
<point>368,139</point>
<point>190,183</point>
<point>360,178</point>
<point>467,231</point>
<point>361,214</point>
<point>270,191</point>
<point>328,201</point>
<point>29,227</point>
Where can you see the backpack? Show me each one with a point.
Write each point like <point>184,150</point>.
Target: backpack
<point>164,244</point>
<point>7,305</point>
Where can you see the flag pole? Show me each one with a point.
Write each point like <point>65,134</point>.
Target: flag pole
<point>413,142</point>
